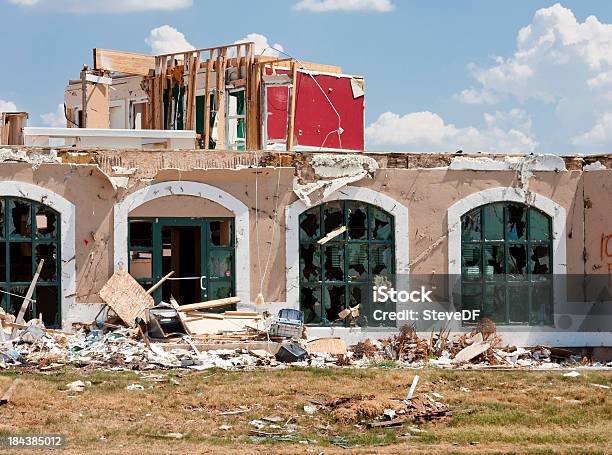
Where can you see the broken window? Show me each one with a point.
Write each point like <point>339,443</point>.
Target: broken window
<point>30,232</point>
<point>339,273</point>
<point>506,249</point>
<point>236,120</point>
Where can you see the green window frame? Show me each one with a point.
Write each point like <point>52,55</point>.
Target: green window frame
<point>37,237</point>
<point>210,254</point>
<point>341,273</point>
<point>507,263</point>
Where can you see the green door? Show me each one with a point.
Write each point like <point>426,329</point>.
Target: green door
<point>200,251</point>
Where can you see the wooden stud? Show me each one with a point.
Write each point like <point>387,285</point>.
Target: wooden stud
<point>291,119</point>
<point>209,68</point>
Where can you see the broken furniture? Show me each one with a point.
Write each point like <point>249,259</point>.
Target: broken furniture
<point>289,324</point>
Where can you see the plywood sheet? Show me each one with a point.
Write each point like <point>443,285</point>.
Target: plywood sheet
<point>330,345</point>
<point>123,62</point>
<point>126,297</point>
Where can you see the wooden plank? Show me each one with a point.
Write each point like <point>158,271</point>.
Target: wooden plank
<point>191,108</point>
<point>209,304</point>
<point>291,120</point>
<point>27,299</point>
<point>220,119</point>
<point>126,297</point>
<point>123,62</point>
<point>153,288</point>
<point>6,397</point>
<point>209,68</point>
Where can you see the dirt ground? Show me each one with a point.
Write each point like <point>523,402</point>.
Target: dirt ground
<point>183,412</point>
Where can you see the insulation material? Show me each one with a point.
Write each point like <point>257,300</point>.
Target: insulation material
<point>332,173</point>
<point>34,157</point>
<point>317,122</point>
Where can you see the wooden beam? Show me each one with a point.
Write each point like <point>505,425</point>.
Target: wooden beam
<point>291,119</point>
<point>6,397</point>
<point>209,304</point>
<point>209,67</point>
<point>28,298</point>
<point>153,288</point>
<point>123,62</point>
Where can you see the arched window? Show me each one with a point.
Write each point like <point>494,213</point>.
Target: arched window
<point>506,263</point>
<point>346,247</point>
<point>29,232</point>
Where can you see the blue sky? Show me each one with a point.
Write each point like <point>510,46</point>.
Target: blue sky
<point>476,75</point>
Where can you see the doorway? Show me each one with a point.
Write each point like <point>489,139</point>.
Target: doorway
<point>200,251</point>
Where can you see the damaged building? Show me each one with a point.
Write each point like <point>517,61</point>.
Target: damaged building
<point>245,175</point>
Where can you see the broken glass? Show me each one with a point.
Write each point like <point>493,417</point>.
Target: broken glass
<point>470,226</point>
<point>381,225</point>
<point>310,262</point>
<point>46,222</point>
<point>333,301</point>
<point>518,303</point>
<point>357,221</point>
<point>221,233</point>
<point>382,260</point>
<point>539,225</point>
<point>333,218</point>
<point>21,218</point>
<point>310,303</point>
<point>541,303</point>
<point>516,222</point>
<point>539,263</point>
<point>141,234</point>
<point>470,262</point>
<point>21,261</point>
<point>141,264</point>
<point>517,261</point>
<point>334,262</point>
<point>493,261</point>
<point>48,252</point>
<point>358,262</point>
<point>220,264</point>
<point>471,296</point>
<point>309,225</point>
<point>3,262</point>
<point>2,218</point>
<point>493,222</point>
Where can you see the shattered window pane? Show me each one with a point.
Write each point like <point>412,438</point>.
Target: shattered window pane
<point>493,222</point>
<point>517,261</point>
<point>382,260</point>
<point>310,262</point>
<point>2,218</point>
<point>471,296</point>
<point>381,225</point>
<point>539,261</point>
<point>516,222</point>
<point>494,303</point>
<point>141,234</point>
<point>21,261</point>
<point>309,225</point>
<point>221,233</point>
<point>539,225</point>
<point>358,295</point>
<point>333,217</point>
<point>518,303</point>
<point>21,218</point>
<point>333,301</point>
<point>46,222</point>
<point>542,304</point>
<point>493,261</point>
<point>470,262</point>
<point>310,303</point>
<point>470,226</point>
<point>358,262</point>
<point>220,264</point>
<point>334,263</point>
<point>357,221</point>
<point>141,264</point>
<point>48,252</point>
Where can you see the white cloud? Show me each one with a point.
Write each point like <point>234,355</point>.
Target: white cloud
<point>107,6</point>
<point>54,119</point>
<point>556,57</point>
<point>476,96</point>
<point>428,132</point>
<point>166,40</point>
<point>318,6</point>
<point>262,47</point>
<point>600,136</point>
<point>7,106</point>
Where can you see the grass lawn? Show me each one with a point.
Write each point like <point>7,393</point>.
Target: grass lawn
<point>492,411</point>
